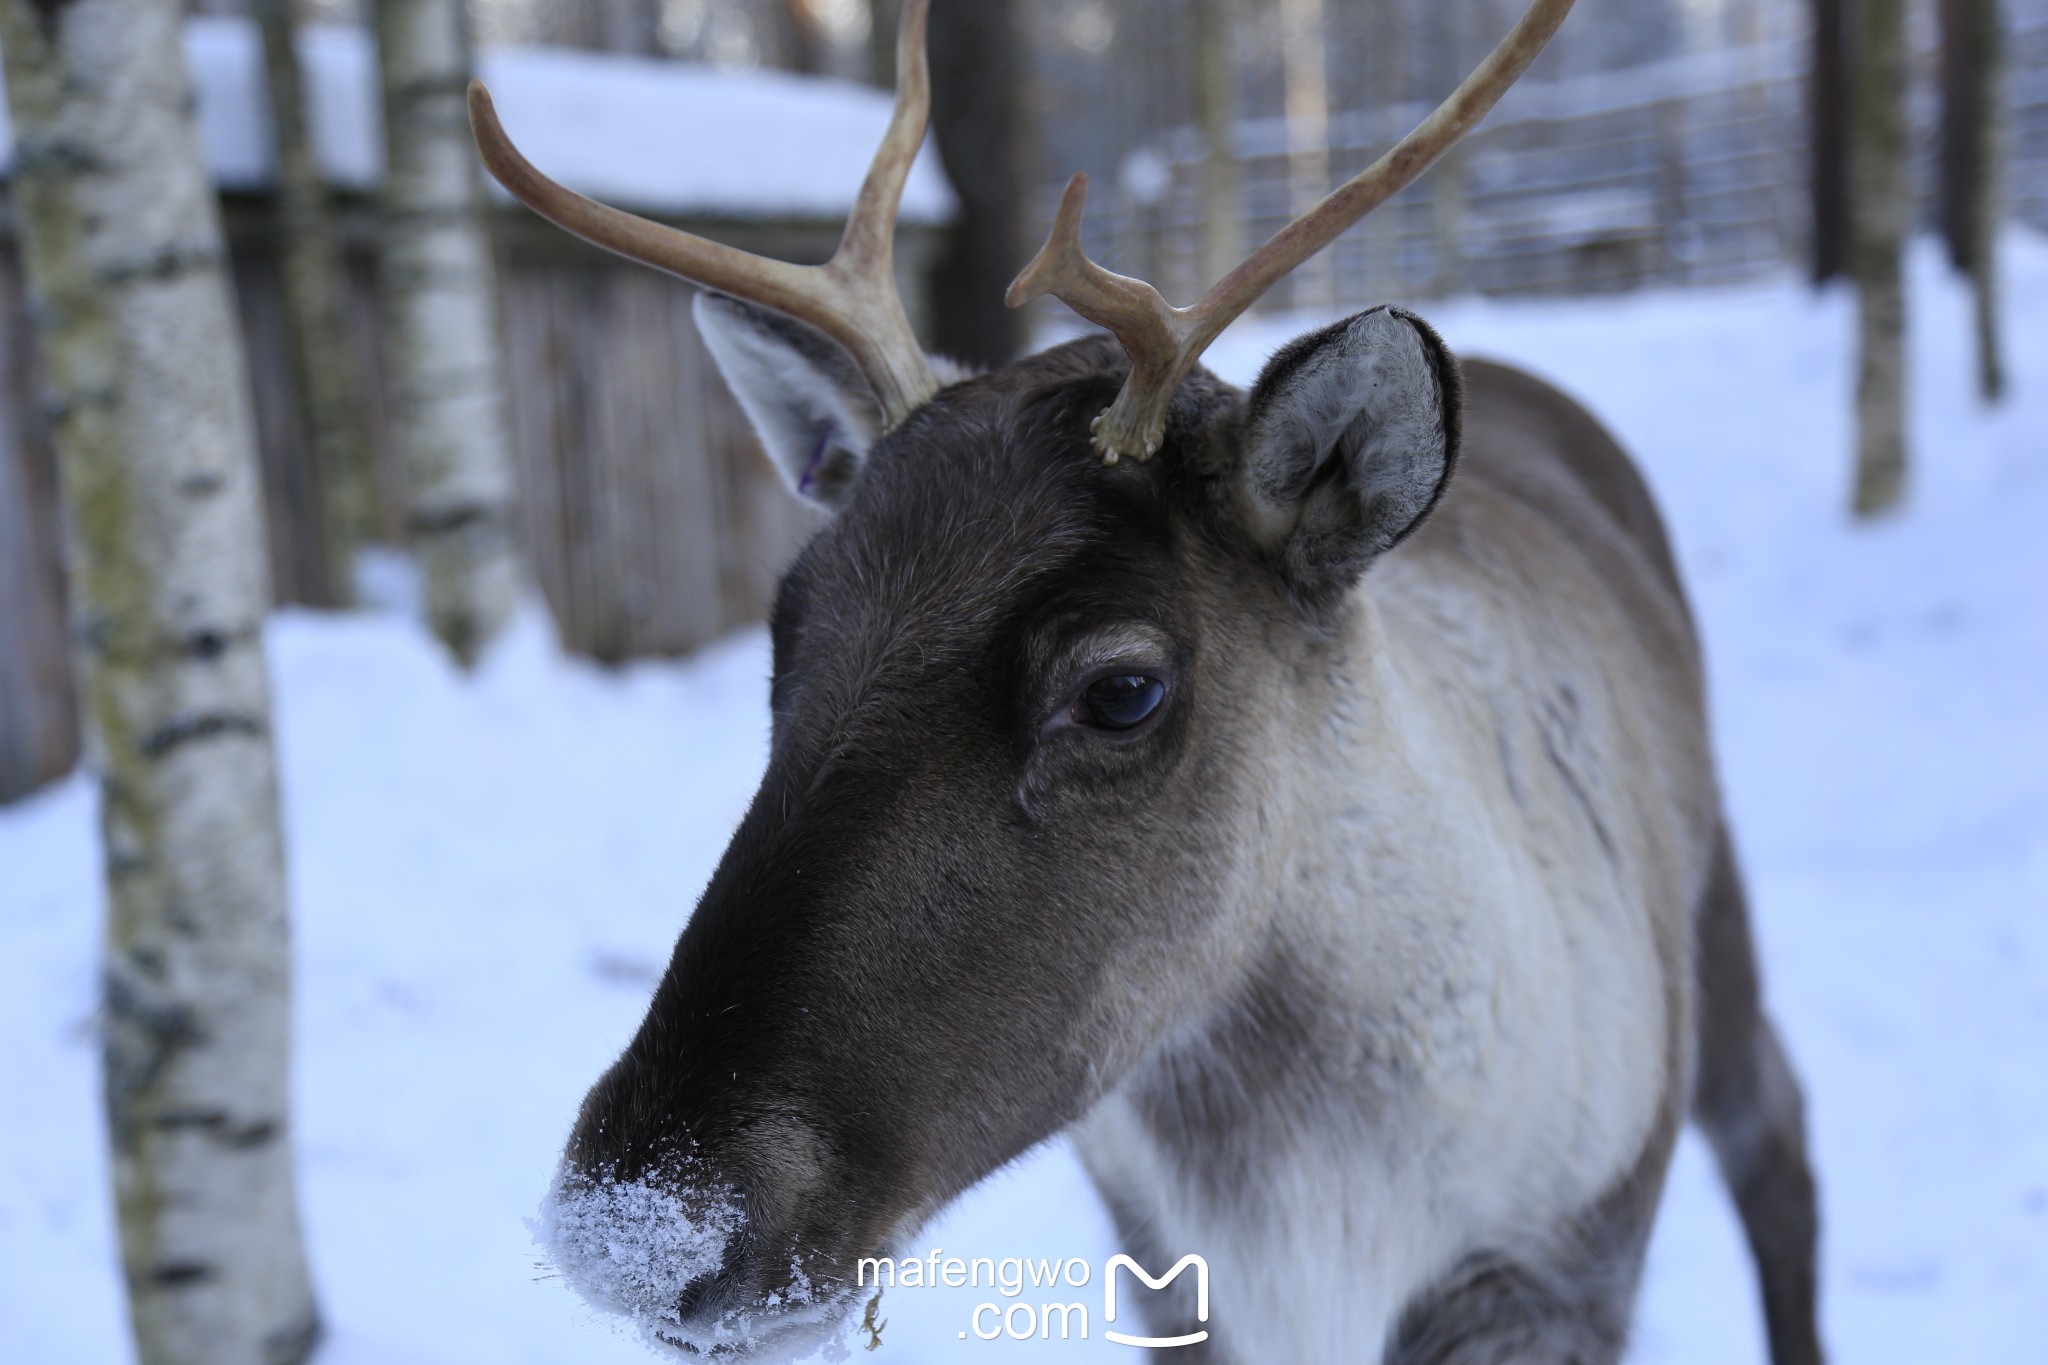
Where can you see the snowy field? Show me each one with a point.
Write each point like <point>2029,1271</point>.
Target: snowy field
<point>488,874</point>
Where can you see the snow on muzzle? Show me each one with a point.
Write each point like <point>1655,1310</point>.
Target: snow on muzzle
<point>660,1250</point>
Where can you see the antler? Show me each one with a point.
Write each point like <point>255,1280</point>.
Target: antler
<point>851,298</point>
<point>1164,342</point>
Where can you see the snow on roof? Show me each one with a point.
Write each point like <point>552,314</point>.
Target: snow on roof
<point>657,136</point>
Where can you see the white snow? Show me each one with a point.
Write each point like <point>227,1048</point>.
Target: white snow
<point>489,873</point>
<point>663,135</point>
<point>631,1246</point>
<point>658,136</point>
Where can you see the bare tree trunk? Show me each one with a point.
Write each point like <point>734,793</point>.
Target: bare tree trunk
<point>1973,79</point>
<point>323,363</point>
<point>793,40</point>
<point>1882,202</point>
<point>975,76</point>
<point>1216,101</point>
<point>1308,135</point>
<point>155,437</point>
<point>1828,121</point>
<point>447,360</point>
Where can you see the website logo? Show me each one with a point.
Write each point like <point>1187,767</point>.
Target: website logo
<point>1201,1298</point>
<point>1024,1319</point>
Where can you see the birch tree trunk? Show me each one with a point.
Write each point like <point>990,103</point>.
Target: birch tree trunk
<point>1881,204</point>
<point>155,438</point>
<point>311,271</point>
<point>447,361</point>
<point>1973,80</point>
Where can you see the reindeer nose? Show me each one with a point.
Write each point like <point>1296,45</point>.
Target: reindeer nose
<point>698,1294</point>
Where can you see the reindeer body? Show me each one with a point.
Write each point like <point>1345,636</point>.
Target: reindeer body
<point>1331,844</point>
<point>1368,972</point>
<point>1492,816</point>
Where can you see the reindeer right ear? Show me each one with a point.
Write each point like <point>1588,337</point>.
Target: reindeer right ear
<point>810,405</point>
<point>1351,435</point>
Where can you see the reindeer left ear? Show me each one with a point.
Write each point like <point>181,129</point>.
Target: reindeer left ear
<point>1351,435</point>
<point>807,399</point>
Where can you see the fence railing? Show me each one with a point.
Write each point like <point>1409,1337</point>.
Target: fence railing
<point>1687,171</point>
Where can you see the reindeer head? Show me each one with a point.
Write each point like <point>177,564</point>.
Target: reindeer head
<point>1037,712</point>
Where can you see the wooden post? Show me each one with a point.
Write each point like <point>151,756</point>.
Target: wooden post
<point>1828,99</point>
<point>1308,135</point>
<point>1216,110</point>
<point>976,125</point>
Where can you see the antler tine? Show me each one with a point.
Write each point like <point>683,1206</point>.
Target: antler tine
<point>1155,334</point>
<point>852,298</point>
<point>1164,342</point>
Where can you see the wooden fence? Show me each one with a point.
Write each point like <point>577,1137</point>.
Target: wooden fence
<point>651,522</point>
<point>2027,133</point>
<point>1688,171</point>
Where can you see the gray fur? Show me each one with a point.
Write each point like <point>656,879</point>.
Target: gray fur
<point>1749,1106</point>
<point>1381,967</point>
<point>815,413</point>
<point>1347,445</point>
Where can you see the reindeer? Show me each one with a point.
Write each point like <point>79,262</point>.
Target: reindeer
<point>1301,797</point>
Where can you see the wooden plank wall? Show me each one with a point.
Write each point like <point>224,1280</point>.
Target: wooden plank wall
<point>651,521</point>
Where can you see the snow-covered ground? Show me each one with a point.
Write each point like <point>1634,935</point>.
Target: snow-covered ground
<point>603,123</point>
<point>488,874</point>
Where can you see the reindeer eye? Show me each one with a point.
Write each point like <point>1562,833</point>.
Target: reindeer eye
<point>1119,703</point>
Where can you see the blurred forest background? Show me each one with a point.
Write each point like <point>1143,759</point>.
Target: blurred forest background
<point>267,338</point>
<point>1657,142</point>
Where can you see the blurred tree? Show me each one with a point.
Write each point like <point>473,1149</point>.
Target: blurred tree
<point>976,69</point>
<point>1972,83</point>
<point>1828,138</point>
<point>323,364</point>
<point>1216,114</point>
<point>1308,136</point>
<point>440,300</point>
<point>795,41</point>
<point>1881,204</point>
<point>603,25</point>
<point>1445,40</point>
<point>154,430</point>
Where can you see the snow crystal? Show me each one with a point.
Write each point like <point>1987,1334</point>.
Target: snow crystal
<point>631,1246</point>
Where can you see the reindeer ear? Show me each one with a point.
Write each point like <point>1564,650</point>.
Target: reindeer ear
<point>808,402</point>
<point>1351,434</point>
